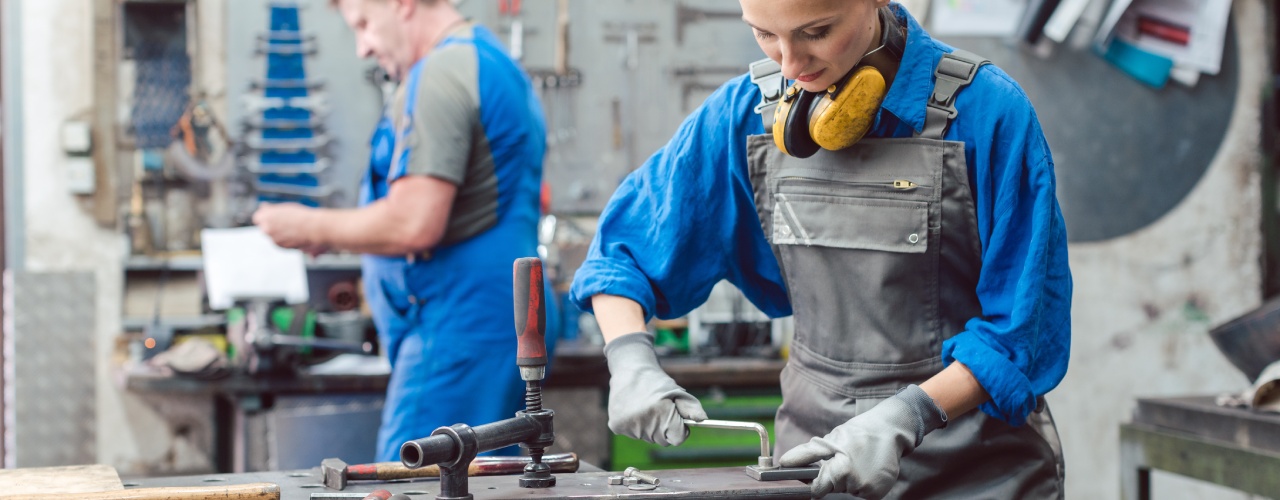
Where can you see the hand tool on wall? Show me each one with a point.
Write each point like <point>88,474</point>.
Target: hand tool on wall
<point>254,491</point>
<point>454,447</point>
<point>337,473</point>
<point>764,470</point>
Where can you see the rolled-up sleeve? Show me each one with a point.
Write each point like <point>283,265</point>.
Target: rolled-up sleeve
<point>1018,350</point>
<point>686,220</point>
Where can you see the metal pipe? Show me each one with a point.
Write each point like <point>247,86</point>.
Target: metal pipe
<point>765,460</point>
<point>441,448</point>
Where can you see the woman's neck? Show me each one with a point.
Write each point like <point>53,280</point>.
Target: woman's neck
<point>886,61</point>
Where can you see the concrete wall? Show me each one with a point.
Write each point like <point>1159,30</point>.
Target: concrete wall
<point>1144,303</point>
<point>59,234</point>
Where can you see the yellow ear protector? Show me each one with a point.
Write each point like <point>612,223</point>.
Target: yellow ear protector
<point>839,116</point>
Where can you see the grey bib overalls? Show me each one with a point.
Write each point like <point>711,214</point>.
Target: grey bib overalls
<point>879,247</point>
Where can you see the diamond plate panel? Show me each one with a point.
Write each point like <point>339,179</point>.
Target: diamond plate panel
<point>581,422</point>
<point>49,392</point>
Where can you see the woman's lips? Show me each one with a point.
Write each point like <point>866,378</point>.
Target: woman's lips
<point>810,77</point>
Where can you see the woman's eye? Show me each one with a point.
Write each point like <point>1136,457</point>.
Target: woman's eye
<point>816,34</point>
<point>763,35</point>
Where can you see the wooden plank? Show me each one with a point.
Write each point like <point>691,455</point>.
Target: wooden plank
<point>76,479</point>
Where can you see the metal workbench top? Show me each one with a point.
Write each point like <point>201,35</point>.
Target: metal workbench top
<point>1194,437</point>
<point>682,484</point>
<point>1202,417</point>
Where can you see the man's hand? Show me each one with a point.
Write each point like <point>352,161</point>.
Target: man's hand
<point>287,224</point>
<point>861,456</point>
<point>644,402</point>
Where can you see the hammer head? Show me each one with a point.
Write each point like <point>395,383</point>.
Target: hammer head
<point>335,473</point>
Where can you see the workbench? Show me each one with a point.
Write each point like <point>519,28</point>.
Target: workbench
<point>589,483</point>
<point>1194,437</point>
<point>578,373</point>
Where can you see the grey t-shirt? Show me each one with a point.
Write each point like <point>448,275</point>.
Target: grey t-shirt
<point>443,136</point>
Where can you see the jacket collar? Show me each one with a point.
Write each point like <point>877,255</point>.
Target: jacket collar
<point>913,84</point>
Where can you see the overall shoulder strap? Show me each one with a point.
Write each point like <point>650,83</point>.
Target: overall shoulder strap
<point>955,71</point>
<point>767,76</point>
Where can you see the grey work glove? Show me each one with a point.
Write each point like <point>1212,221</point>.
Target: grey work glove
<point>644,403</point>
<point>861,456</point>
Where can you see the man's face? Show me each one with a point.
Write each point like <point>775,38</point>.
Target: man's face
<point>815,41</point>
<point>379,27</point>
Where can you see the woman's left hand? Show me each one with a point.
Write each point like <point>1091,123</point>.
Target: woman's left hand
<point>861,456</point>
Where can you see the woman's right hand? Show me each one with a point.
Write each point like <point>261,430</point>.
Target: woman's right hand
<point>644,402</point>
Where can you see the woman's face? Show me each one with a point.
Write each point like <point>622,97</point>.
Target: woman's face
<point>815,41</point>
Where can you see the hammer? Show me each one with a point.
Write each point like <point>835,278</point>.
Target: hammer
<point>337,473</point>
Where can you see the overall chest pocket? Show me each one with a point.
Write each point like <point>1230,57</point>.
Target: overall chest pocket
<point>860,260</point>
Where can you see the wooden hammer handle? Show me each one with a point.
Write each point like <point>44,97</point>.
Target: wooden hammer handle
<point>481,466</point>
<point>255,491</point>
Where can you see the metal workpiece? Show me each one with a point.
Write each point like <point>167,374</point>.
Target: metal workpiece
<point>783,473</point>
<point>375,495</point>
<point>765,460</point>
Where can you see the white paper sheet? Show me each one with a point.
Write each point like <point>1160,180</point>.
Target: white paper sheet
<point>1208,21</point>
<point>244,263</point>
<point>976,17</point>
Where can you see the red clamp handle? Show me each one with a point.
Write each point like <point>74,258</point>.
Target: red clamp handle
<point>531,312</point>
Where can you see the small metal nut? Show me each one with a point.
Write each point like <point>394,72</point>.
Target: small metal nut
<point>630,481</point>
<point>615,480</point>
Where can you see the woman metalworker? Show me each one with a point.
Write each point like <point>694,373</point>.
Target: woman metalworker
<point>925,263</point>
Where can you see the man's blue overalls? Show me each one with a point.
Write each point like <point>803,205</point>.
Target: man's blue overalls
<point>446,322</point>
